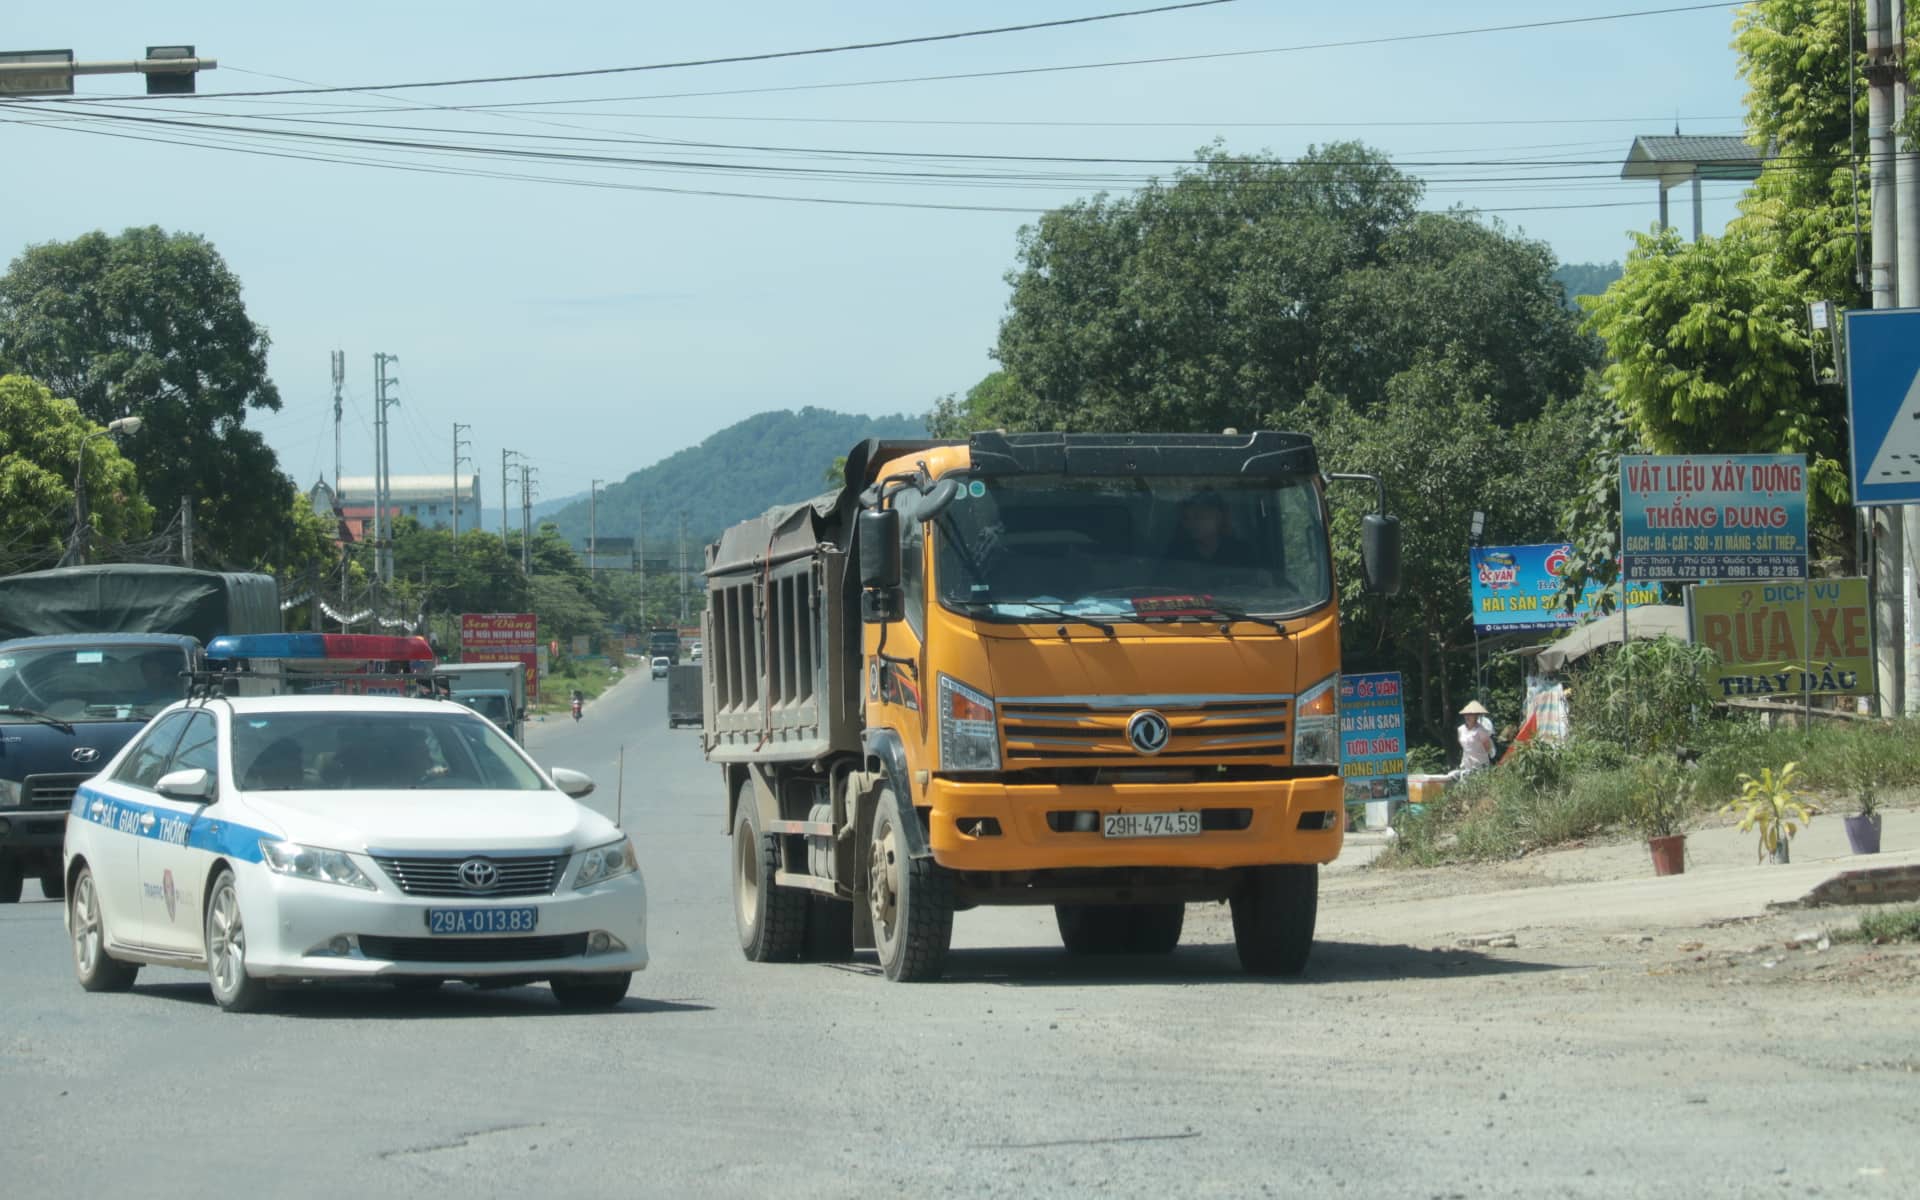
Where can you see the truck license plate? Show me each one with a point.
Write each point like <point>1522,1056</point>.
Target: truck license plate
<point>1132,825</point>
<point>482,920</point>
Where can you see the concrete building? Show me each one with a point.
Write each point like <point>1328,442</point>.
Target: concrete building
<point>428,499</point>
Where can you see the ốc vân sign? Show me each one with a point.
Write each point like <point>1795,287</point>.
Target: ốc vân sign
<point>1713,516</point>
<point>1373,736</point>
<point>1758,631</point>
<point>1517,588</point>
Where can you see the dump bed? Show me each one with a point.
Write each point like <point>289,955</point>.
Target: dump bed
<point>138,598</point>
<point>685,705</point>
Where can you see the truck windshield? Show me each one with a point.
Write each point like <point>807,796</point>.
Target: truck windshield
<point>357,751</point>
<point>1134,548</point>
<point>100,682</point>
<point>491,705</point>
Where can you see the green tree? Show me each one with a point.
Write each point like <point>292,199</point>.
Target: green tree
<point>40,440</point>
<point>987,405</point>
<point>152,323</point>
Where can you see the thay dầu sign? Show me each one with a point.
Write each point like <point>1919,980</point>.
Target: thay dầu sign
<point>1765,636</point>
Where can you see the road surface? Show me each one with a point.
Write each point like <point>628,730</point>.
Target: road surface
<point>1583,1069</point>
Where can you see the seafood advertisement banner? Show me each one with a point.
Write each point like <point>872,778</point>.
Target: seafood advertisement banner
<point>1758,630</point>
<point>1517,588</point>
<point>1373,736</point>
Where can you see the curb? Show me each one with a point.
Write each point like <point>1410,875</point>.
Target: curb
<point>1870,885</point>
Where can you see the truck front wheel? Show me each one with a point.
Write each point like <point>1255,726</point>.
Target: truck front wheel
<point>53,879</point>
<point>911,901</point>
<point>10,876</point>
<point>772,920</point>
<point>1273,917</point>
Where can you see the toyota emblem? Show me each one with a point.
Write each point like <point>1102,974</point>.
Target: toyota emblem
<point>1148,731</point>
<point>85,754</point>
<point>479,875</point>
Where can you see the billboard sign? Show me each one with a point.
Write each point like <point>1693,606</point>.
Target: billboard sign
<point>1758,630</point>
<point>1517,588</point>
<point>503,637</point>
<point>1713,516</point>
<point>1373,736</point>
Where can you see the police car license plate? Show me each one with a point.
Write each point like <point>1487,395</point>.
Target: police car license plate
<point>482,920</point>
<point>1132,825</point>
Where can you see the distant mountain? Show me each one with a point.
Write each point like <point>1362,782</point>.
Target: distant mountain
<point>1586,279</point>
<point>743,470</point>
<point>542,509</point>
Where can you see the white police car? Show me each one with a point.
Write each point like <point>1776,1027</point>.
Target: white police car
<point>325,837</point>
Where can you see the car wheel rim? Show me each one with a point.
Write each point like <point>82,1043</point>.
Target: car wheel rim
<point>86,925</point>
<point>229,943</point>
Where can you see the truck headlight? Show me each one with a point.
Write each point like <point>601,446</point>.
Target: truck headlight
<point>969,736</point>
<point>10,792</point>
<point>309,862</point>
<point>606,862</point>
<point>1316,725</point>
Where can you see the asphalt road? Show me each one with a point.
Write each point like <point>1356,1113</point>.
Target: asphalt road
<point>1388,1070</point>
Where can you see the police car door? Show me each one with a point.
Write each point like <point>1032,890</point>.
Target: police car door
<point>114,807</point>
<point>172,873</point>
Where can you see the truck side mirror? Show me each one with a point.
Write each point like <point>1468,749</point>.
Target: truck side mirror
<point>936,501</point>
<point>880,599</point>
<point>1380,554</point>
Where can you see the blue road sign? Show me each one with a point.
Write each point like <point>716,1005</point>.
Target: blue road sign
<point>1883,404</point>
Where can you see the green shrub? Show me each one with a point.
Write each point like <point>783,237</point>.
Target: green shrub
<point>1649,695</point>
<point>1893,925</point>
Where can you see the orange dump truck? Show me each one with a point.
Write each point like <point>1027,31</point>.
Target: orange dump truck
<point>1093,671</point>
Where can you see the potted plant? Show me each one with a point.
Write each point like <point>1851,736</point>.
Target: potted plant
<point>1660,797</point>
<point>1865,771</point>
<point>1772,805</point>
<point>1863,827</point>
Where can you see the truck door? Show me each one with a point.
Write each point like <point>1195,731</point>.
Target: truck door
<point>171,872</point>
<point>113,811</point>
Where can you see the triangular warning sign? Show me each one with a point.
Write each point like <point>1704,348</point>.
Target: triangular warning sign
<point>1898,459</point>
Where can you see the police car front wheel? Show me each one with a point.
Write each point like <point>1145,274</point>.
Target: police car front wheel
<point>233,989</point>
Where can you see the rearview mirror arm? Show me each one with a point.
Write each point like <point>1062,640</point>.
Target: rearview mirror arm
<point>1379,488</point>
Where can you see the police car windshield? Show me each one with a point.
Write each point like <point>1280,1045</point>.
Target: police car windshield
<point>91,682</point>
<point>375,751</point>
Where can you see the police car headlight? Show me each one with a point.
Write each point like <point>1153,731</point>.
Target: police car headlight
<point>308,862</point>
<point>605,862</point>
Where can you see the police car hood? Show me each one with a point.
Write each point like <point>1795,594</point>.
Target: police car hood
<point>431,819</point>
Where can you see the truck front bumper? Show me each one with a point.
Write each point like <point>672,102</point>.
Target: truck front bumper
<point>1244,824</point>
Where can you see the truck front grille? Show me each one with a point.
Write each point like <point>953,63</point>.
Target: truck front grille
<point>1055,731</point>
<point>51,791</point>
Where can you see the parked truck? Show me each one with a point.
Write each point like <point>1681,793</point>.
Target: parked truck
<point>685,702</point>
<point>495,690</point>
<point>89,654</point>
<point>1092,671</point>
<point>664,642</point>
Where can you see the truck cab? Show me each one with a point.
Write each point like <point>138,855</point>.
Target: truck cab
<point>68,703</point>
<point>1096,672</point>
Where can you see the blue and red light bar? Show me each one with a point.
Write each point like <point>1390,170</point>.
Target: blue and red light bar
<point>361,646</point>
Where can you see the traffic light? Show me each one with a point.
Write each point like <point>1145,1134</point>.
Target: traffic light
<point>171,83</point>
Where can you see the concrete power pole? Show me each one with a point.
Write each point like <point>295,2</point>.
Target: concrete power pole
<point>683,568</point>
<point>1906,187</point>
<point>383,466</point>
<point>504,456</point>
<point>458,491</point>
<point>339,381</point>
<point>593,518</point>
<point>526,518</point>
<point>1890,594</point>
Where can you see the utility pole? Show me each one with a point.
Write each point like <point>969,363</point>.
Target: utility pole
<point>1906,187</point>
<point>339,380</point>
<point>504,456</point>
<point>458,491</point>
<point>683,567</point>
<point>1889,534</point>
<point>593,529</point>
<point>186,531</point>
<point>383,466</point>
<point>526,518</point>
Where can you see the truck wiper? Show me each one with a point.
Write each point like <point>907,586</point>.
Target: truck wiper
<point>1233,614</point>
<point>14,710</point>
<point>1055,613</point>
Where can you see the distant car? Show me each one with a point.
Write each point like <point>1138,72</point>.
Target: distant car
<point>305,837</point>
<point>660,665</point>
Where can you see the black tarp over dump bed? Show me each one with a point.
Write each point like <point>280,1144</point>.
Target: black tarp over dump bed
<point>120,598</point>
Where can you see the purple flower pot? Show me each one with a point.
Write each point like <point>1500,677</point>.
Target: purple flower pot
<point>1863,833</point>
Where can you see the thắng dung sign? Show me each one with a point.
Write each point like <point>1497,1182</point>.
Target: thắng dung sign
<point>1713,516</point>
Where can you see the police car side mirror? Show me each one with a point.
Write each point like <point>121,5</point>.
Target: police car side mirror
<point>573,783</point>
<point>194,784</point>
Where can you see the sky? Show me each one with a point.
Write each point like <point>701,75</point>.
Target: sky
<point>597,329</point>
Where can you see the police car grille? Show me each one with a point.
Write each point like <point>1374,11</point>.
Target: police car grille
<point>473,949</point>
<point>50,791</point>
<point>440,876</point>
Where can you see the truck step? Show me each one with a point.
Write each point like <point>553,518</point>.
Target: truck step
<point>812,883</point>
<point>809,828</point>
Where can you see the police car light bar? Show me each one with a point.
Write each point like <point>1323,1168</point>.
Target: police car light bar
<point>363,646</point>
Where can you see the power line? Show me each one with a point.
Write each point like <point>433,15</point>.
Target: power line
<point>730,59</point>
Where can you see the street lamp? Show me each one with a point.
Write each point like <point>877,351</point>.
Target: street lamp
<point>76,554</point>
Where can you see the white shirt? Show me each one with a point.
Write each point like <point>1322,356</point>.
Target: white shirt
<point>1476,743</point>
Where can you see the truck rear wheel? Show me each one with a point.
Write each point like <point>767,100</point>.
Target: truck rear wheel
<point>1120,928</point>
<point>1273,917</point>
<point>772,920</point>
<point>911,900</point>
